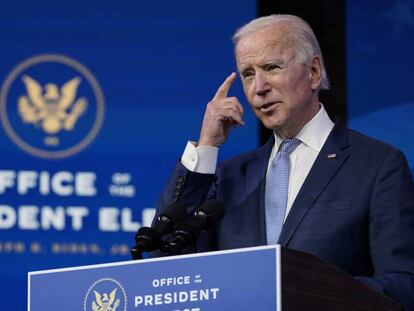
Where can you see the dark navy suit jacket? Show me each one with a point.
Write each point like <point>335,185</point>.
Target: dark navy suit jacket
<point>354,210</point>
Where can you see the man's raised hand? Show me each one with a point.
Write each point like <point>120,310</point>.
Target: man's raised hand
<point>222,113</point>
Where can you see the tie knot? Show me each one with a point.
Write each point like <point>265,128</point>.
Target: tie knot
<point>288,145</point>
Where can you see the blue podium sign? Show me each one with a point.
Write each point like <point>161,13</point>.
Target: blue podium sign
<point>242,279</point>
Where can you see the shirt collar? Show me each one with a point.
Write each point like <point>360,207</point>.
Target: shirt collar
<point>314,133</point>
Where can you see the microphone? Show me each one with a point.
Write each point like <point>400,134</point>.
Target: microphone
<point>186,233</point>
<point>150,239</point>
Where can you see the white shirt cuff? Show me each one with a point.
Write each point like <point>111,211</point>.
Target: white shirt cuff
<point>200,159</point>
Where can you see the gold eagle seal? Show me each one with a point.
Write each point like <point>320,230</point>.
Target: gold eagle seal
<point>106,294</point>
<point>53,108</point>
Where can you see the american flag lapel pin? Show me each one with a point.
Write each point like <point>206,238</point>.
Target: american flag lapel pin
<point>332,156</point>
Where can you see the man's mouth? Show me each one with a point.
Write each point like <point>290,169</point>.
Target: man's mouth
<point>267,107</point>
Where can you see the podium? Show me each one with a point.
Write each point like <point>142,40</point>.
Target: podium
<point>259,278</point>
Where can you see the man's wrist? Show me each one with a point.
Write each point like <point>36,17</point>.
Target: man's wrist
<point>207,143</point>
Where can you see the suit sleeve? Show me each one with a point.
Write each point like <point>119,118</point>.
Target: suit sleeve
<point>391,230</point>
<point>185,187</point>
<point>189,189</point>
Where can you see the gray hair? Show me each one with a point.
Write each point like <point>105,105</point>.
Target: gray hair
<point>304,39</point>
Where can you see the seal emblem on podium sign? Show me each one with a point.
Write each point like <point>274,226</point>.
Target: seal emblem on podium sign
<point>106,294</point>
<point>51,106</point>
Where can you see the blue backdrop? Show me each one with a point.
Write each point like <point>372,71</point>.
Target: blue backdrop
<point>97,102</point>
<point>98,99</point>
<point>380,51</point>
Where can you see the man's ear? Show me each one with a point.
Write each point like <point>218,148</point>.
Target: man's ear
<point>315,72</point>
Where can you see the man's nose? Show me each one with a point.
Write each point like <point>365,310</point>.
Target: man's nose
<point>262,84</point>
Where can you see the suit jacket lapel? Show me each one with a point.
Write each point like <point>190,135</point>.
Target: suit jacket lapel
<point>255,187</point>
<point>322,171</point>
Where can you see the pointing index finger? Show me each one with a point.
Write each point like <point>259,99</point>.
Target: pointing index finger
<point>224,88</point>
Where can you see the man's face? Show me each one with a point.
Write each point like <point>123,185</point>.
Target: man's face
<point>280,90</point>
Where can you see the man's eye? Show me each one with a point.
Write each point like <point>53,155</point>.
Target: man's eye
<point>270,67</point>
<point>247,74</point>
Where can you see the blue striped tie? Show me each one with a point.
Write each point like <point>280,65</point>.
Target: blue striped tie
<point>277,185</point>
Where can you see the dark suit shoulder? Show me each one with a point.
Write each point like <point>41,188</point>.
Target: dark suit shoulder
<point>367,143</point>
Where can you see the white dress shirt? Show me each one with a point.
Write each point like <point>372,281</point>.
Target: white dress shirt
<point>312,136</point>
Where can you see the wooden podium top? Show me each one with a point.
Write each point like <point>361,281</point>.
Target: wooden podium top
<point>309,283</point>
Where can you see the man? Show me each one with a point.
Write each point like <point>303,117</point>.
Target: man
<point>315,186</point>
